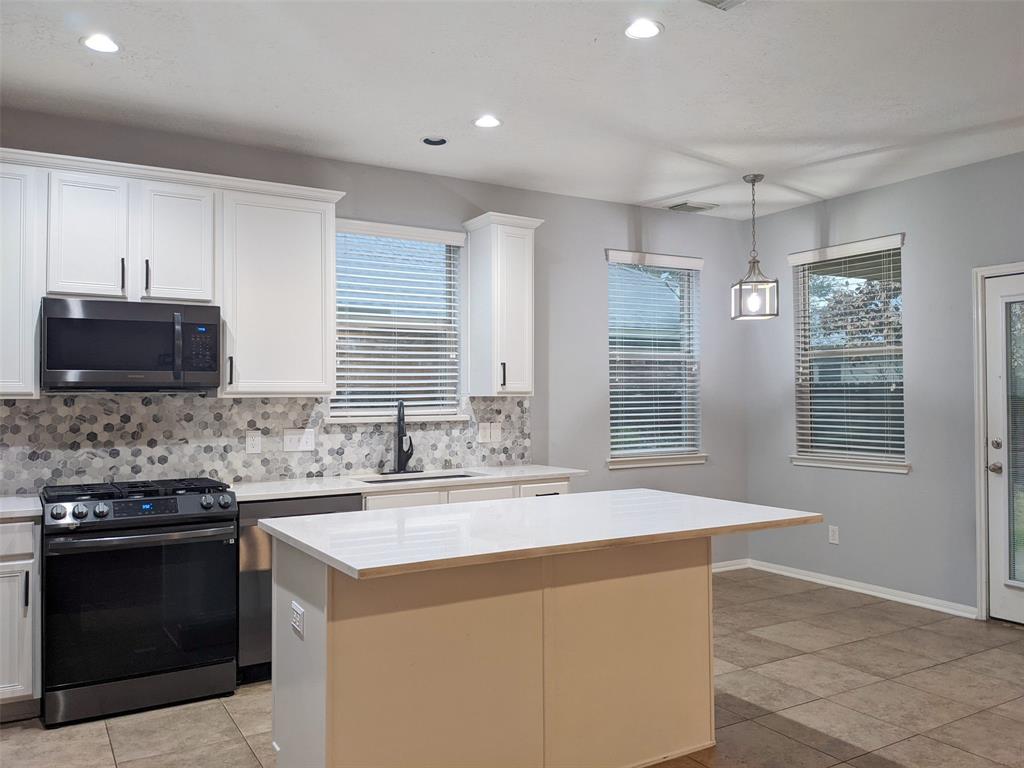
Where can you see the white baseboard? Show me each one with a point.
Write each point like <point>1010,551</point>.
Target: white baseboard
<point>921,601</point>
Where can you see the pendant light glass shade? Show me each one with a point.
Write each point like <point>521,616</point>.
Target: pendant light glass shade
<point>755,296</point>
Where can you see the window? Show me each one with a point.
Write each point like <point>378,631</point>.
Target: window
<point>653,359</point>
<point>848,308</point>
<point>397,321</point>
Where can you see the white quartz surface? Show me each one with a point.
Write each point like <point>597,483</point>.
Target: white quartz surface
<point>332,486</point>
<point>390,541</point>
<point>20,508</point>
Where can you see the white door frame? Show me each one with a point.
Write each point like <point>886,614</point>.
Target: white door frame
<point>979,276</point>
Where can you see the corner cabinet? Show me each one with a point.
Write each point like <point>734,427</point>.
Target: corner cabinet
<point>22,264</point>
<point>278,295</point>
<point>500,300</point>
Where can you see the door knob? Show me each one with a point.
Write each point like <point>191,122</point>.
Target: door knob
<point>996,468</point>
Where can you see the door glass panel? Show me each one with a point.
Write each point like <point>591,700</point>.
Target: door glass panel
<point>1015,446</point>
<point>120,613</point>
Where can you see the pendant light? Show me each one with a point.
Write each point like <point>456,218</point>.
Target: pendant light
<point>755,296</point>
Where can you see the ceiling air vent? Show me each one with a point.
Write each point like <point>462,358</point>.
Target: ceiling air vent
<point>723,5</point>
<point>692,206</point>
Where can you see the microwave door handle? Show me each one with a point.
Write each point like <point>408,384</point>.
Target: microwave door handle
<point>177,345</point>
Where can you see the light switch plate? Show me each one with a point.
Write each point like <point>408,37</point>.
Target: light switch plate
<point>298,618</point>
<point>483,432</point>
<point>300,439</point>
<point>253,441</point>
<point>495,431</point>
<point>833,534</point>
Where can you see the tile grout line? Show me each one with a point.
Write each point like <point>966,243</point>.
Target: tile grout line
<point>247,744</point>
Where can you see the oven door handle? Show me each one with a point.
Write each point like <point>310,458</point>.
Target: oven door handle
<point>69,545</point>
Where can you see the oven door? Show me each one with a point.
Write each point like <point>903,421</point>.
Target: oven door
<point>110,345</point>
<point>128,603</point>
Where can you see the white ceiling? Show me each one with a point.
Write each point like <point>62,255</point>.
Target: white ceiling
<point>824,97</point>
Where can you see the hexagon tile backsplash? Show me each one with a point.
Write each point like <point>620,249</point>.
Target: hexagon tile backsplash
<point>96,438</point>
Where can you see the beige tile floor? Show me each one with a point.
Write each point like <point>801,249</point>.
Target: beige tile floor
<point>806,677</point>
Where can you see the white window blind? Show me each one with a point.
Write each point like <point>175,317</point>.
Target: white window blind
<point>653,354</point>
<point>849,352</point>
<point>397,326</point>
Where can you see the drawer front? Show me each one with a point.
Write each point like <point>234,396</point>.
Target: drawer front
<point>17,541</point>
<point>482,494</point>
<point>393,500</point>
<point>544,489</point>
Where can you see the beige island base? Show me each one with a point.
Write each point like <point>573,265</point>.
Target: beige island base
<point>567,631</point>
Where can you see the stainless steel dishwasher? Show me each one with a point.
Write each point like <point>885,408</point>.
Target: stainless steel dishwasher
<point>254,563</point>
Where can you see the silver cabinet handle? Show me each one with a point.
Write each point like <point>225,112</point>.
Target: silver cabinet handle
<point>996,468</point>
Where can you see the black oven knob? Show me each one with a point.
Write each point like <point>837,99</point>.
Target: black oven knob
<point>80,512</point>
<point>57,512</point>
<point>101,510</point>
<point>206,502</point>
<point>224,500</point>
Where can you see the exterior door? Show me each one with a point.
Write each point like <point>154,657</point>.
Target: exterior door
<point>1004,342</point>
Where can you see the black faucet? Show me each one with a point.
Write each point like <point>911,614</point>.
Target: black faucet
<point>402,453</point>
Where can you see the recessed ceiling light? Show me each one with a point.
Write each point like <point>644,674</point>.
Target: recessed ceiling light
<point>101,43</point>
<point>487,121</point>
<point>434,141</point>
<point>642,29</point>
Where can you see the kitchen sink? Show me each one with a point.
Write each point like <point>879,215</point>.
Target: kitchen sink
<point>412,477</point>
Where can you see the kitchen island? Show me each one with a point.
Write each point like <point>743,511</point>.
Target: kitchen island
<point>560,631</point>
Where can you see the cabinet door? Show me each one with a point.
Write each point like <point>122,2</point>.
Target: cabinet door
<point>544,489</point>
<point>394,500</point>
<point>16,657</point>
<point>88,226</point>
<point>22,219</point>
<point>278,295</point>
<point>482,494</point>
<point>176,241</point>
<point>514,310</point>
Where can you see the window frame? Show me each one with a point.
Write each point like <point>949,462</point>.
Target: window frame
<point>422,234</point>
<point>655,458</point>
<point>853,460</point>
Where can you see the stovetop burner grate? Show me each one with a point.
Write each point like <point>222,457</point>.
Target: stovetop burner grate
<point>134,489</point>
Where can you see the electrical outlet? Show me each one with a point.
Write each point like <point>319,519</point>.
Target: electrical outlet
<point>300,440</point>
<point>298,619</point>
<point>483,432</point>
<point>253,441</point>
<point>833,534</point>
<point>495,431</point>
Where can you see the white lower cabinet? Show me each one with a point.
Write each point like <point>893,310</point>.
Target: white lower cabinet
<point>544,489</point>
<point>482,494</point>
<point>395,500</point>
<point>19,609</point>
<point>278,296</point>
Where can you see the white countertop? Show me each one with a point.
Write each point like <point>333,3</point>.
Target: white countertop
<point>333,486</point>
<point>14,508</point>
<point>391,541</point>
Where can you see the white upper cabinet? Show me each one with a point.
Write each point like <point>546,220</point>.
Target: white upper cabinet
<point>500,299</point>
<point>22,242</point>
<point>175,241</point>
<point>87,250</point>
<point>278,295</point>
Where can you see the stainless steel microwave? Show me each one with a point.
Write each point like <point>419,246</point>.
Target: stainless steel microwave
<point>129,346</point>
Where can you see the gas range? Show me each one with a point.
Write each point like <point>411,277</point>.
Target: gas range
<point>135,503</point>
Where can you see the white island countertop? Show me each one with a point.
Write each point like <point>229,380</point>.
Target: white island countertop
<point>304,487</point>
<point>392,541</point>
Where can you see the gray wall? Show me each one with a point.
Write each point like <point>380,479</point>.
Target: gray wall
<point>569,412</point>
<point>916,532</point>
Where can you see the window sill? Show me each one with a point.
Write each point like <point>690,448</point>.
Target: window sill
<point>410,418</point>
<point>862,465</point>
<point>665,460</point>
